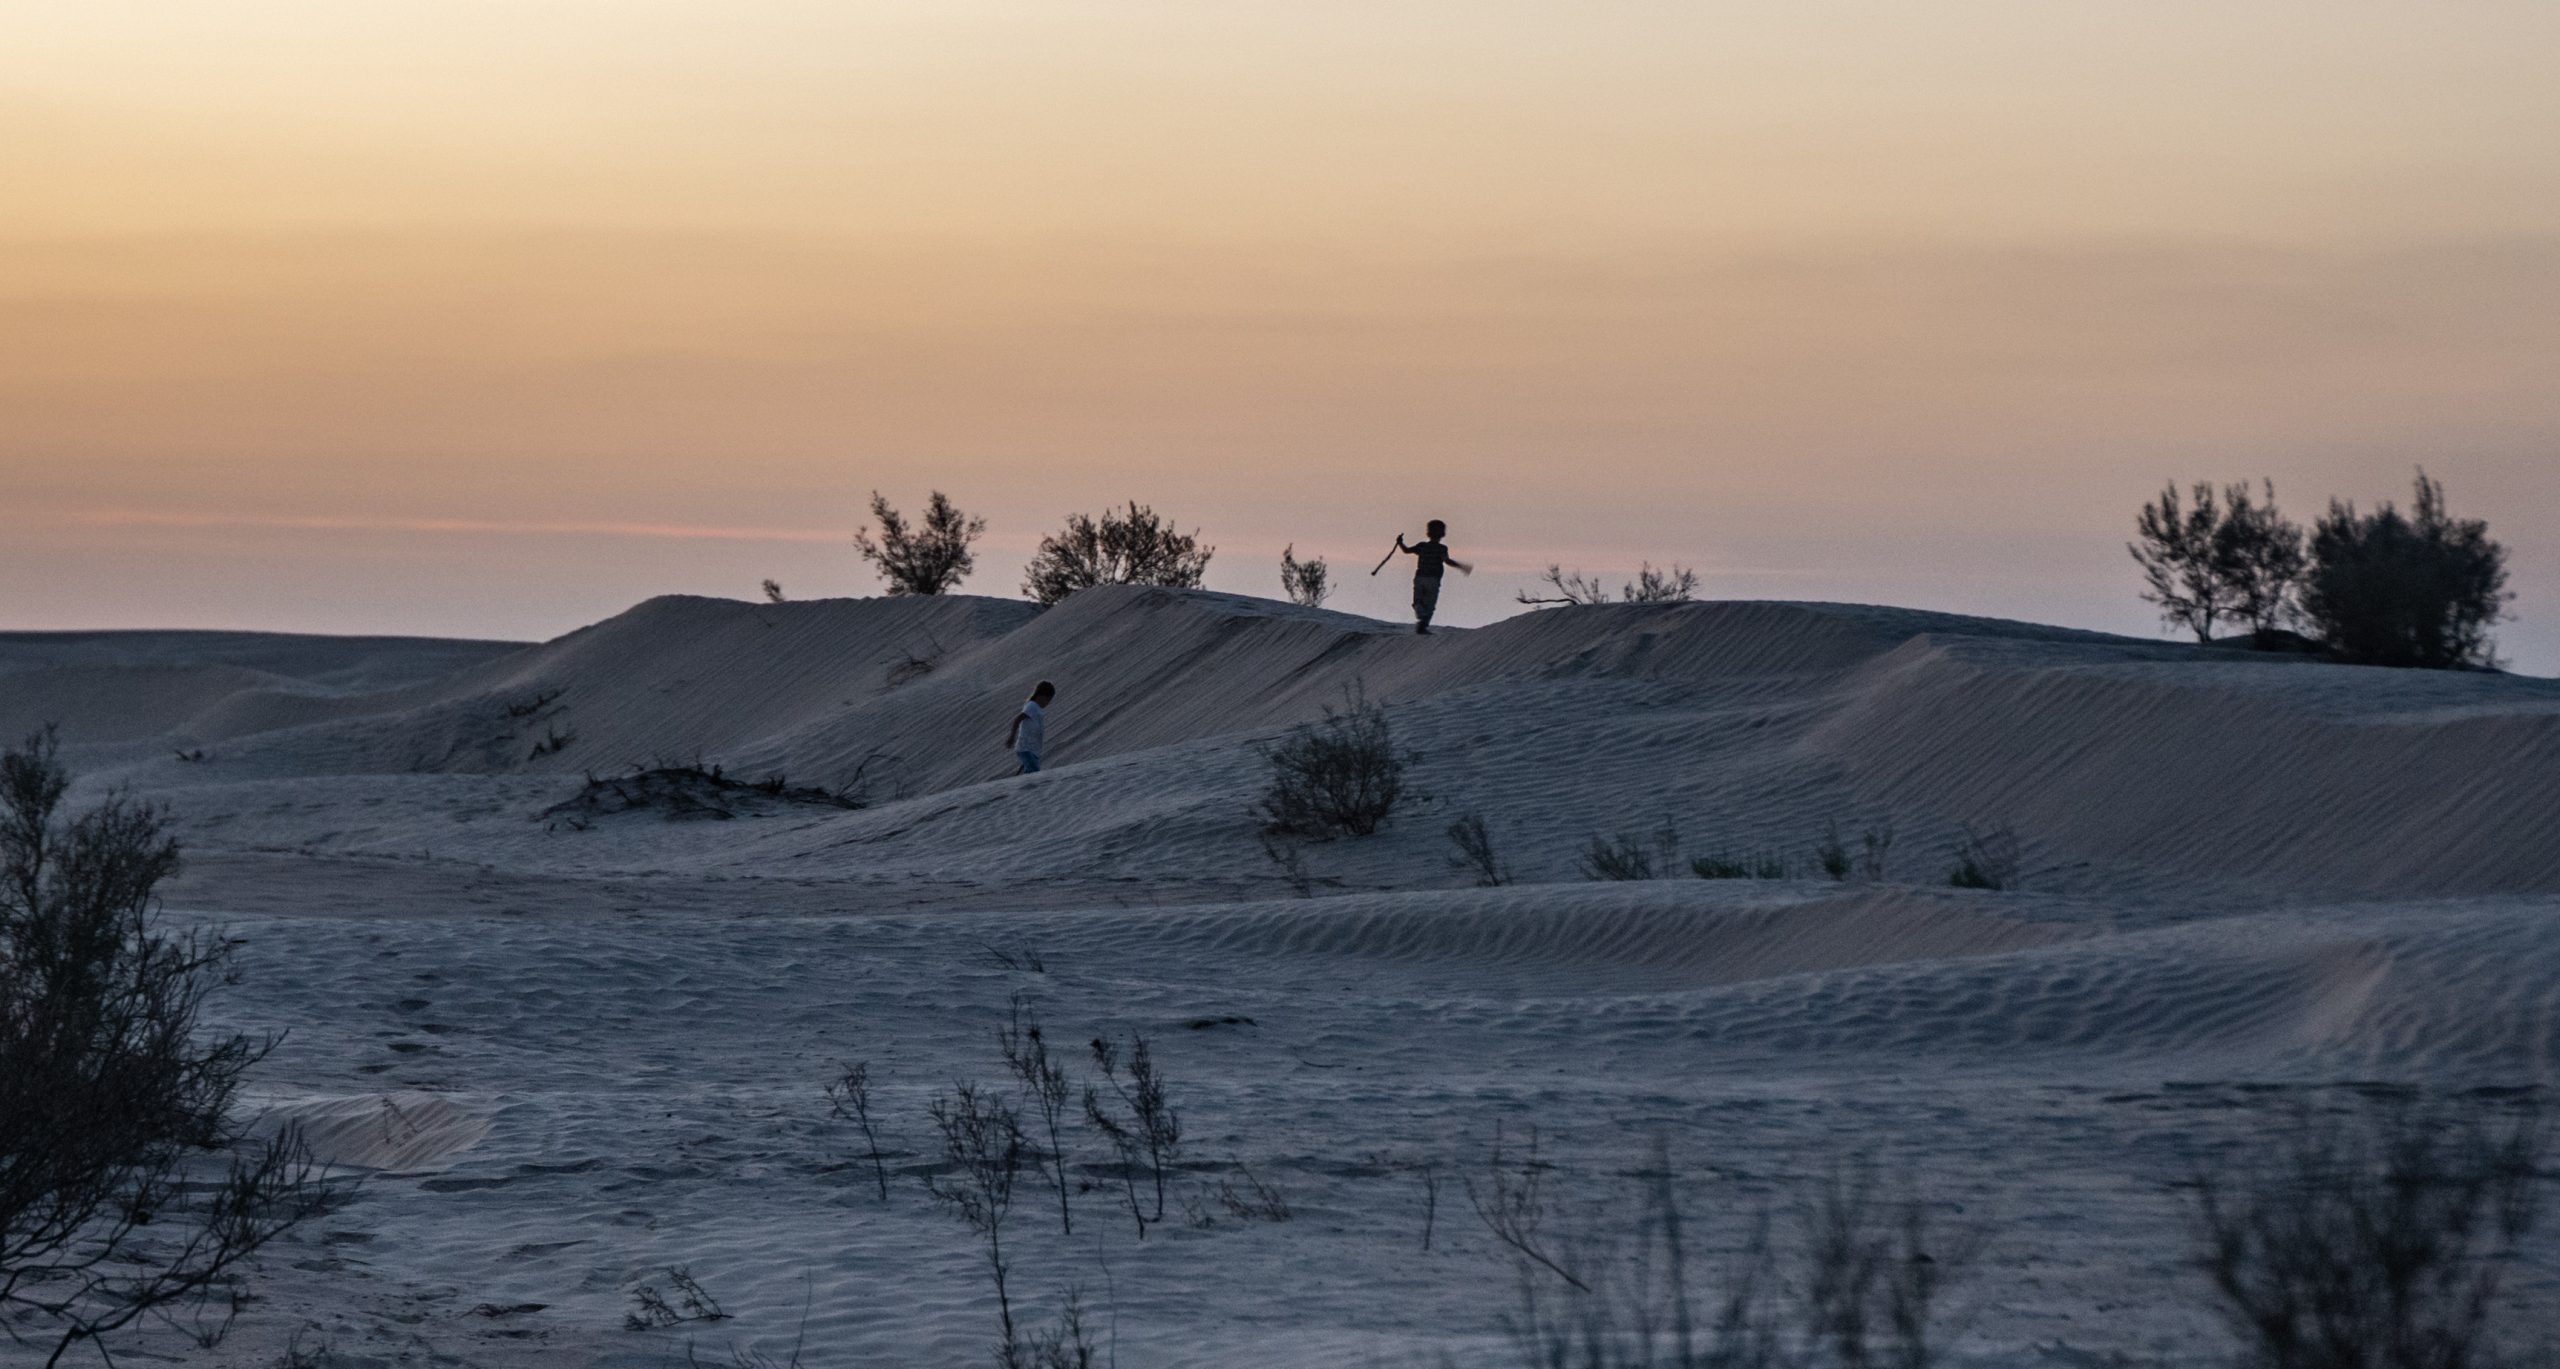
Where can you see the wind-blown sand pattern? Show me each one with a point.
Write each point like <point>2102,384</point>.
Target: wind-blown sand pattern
<point>568,1051</point>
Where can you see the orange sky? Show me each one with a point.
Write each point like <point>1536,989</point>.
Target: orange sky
<point>490,319</point>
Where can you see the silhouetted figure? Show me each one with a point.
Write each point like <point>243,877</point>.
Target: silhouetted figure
<point>1031,728</point>
<point>1430,558</point>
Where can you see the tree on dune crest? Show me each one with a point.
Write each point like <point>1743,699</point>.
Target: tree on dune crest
<point>930,558</point>
<point>1135,547</point>
<point>2420,589</point>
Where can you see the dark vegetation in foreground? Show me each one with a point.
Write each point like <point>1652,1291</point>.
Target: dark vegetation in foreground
<point>127,1188</point>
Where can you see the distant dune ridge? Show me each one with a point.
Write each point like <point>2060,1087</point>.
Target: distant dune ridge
<point>1748,726</point>
<point>576,1045</point>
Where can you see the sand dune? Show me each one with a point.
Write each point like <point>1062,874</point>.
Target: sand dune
<point>572,1047</point>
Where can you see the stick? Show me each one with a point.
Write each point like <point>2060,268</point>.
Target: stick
<point>1391,554</point>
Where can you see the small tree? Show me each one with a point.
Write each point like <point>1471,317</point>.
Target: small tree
<point>1305,582</point>
<point>2384,589</point>
<point>2259,560</point>
<point>111,1084</point>
<point>931,559</point>
<point>2181,573</point>
<point>1132,548</point>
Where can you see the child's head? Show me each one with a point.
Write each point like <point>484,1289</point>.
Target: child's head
<point>1044,693</point>
<point>1437,529</point>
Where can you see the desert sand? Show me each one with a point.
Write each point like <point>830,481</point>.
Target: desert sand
<point>565,1049</point>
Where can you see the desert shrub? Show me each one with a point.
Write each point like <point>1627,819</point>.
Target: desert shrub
<point>1306,582</point>
<point>1862,1279</point>
<point>1475,854</point>
<point>1679,584</point>
<point>1043,1081</point>
<point>849,1099</point>
<point>1144,1131</point>
<point>1986,860</point>
<point>932,558</point>
<point>1763,865</point>
<point>1132,548</point>
<point>1290,859</point>
<point>652,1309</point>
<point>2416,590</point>
<point>772,591</point>
<point>1617,858</point>
<point>1340,777</point>
<point>111,1083</point>
<point>1831,854</point>
<point>2380,1244</point>
<point>982,1146</point>
<point>690,793</point>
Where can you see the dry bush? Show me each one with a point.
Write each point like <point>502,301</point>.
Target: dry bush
<point>652,1309</point>
<point>849,1099</point>
<point>1751,865</point>
<point>982,1143</point>
<point>1307,582</point>
<point>772,591</point>
<point>2382,1243</point>
<point>1831,854</point>
<point>1860,1281</point>
<point>1618,858</point>
<point>1677,585</point>
<point>1132,548</point>
<point>1986,860</point>
<point>111,1084</point>
<point>1044,1084</point>
<point>929,559</point>
<point>1340,777</point>
<point>1475,854</point>
<point>2416,590</point>
<point>1144,1131</point>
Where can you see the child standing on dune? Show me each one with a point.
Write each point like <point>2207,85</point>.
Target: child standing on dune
<point>1429,557</point>
<point>1031,728</point>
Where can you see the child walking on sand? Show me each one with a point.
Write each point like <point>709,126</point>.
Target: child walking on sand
<point>1031,728</point>
<point>1429,557</point>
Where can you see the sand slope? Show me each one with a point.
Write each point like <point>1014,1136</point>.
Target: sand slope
<point>571,1048</point>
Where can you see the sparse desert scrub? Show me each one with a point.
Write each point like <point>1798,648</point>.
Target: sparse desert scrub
<point>1307,582</point>
<point>1044,1084</point>
<point>1137,1119</point>
<point>111,1083</point>
<point>773,591</point>
<point>1290,859</point>
<point>1132,548</point>
<point>1618,858</point>
<point>849,1099</point>
<point>983,1146</point>
<point>682,793</point>
<point>1340,777</point>
<point>2381,1243</point>
<point>1677,585</point>
<point>1986,860</point>
<point>1475,854</point>
<point>652,1309</point>
<point>1858,1278</point>
<point>930,558</point>
<point>1755,865</point>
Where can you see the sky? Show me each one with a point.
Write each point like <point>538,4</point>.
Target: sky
<point>492,319</point>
